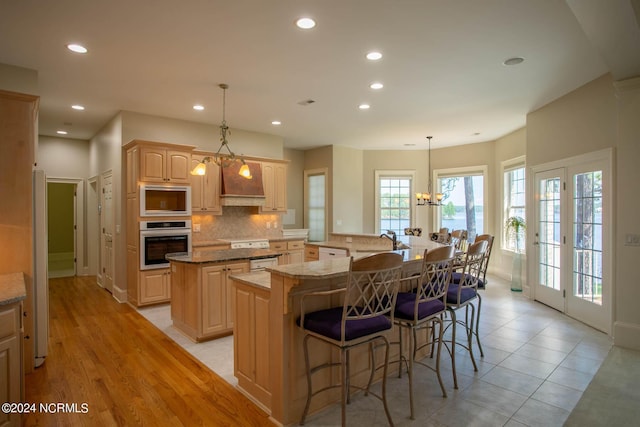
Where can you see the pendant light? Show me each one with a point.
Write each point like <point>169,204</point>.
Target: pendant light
<point>426,199</point>
<point>220,158</point>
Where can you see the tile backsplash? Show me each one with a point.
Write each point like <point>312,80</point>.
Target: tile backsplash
<point>237,222</point>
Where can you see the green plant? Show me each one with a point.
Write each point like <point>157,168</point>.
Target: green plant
<point>515,225</point>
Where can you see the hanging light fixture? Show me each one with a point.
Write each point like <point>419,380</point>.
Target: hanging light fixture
<point>221,158</point>
<point>427,199</point>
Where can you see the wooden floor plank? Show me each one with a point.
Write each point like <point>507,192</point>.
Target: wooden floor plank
<point>106,355</point>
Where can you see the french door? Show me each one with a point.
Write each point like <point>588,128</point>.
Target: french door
<point>572,240</point>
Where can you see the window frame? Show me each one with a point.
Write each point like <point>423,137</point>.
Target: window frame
<point>507,166</point>
<point>463,171</point>
<point>398,174</point>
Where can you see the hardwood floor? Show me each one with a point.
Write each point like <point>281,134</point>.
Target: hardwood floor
<point>106,355</point>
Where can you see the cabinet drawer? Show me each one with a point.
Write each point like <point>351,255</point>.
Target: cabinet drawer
<point>278,246</point>
<point>298,244</point>
<point>9,321</point>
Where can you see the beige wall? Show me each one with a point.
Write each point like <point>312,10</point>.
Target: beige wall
<point>60,217</point>
<point>626,328</point>
<point>347,190</point>
<point>64,157</point>
<point>295,184</point>
<point>319,158</point>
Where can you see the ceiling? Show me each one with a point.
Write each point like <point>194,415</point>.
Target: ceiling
<point>442,68</point>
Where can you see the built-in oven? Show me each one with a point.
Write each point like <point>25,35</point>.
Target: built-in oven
<point>158,238</point>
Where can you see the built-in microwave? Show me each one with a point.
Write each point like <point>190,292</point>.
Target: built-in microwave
<point>165,200</point>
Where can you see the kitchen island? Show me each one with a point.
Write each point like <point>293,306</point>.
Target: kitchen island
<point>269,361</point>
<point>201,296</point>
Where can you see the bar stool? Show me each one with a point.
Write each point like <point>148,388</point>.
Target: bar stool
<point>423,307</point>
<point>461,295</point>
<point>365,317</point>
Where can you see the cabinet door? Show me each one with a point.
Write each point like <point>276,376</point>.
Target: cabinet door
<point>296,256</point>
<point>211,189</point>
<point>214,307</point>
<point>178,166</point>
<point>154,286</point>
<point>232,269</point>
<point>197,185</point>
<point>243,337</point>
<point>262,343</point>
<point>132,172</point>
<point>152,164</point>
<point>10,361</point>
<point>274,179</point>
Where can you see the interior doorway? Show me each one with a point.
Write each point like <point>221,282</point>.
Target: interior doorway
<point>61,225</point>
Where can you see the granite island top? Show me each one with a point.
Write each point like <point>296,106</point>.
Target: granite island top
<point>12,288</point>
<point>223,255</point>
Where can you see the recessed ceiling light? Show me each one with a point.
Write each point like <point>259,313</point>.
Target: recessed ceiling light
<point>61,132</point>
<point>77,48</point>
<point>364,106</point>
<point>374,56</point>
<point>305,23</point>
<point>77,107</point>
<point>376,85</point>
<point>276,122</point>
<point>198,107</point>
<point>513,61</point>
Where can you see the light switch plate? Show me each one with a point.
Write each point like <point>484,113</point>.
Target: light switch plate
<point>632,239</point>
<point>196,228</point>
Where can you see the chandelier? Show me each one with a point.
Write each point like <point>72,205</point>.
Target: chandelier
<point>426,199</point>
<point>221,158</point>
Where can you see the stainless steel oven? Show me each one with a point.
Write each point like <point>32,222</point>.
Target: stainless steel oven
<point>158,238</point>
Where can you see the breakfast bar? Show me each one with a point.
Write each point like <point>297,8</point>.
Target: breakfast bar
<point>269,361</point>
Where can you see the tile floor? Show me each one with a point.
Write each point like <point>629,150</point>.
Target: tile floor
<point>537,364</point>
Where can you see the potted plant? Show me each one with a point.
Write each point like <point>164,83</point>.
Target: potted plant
<point>515,225</point>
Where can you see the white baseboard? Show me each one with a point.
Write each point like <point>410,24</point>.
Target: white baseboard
<point>626,335</point>
<point>119,294</point>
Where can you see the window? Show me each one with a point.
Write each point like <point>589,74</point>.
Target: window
<point>514,203</point>
<point>463,192</point>
<point>394,201</point>
<point>315,198</point>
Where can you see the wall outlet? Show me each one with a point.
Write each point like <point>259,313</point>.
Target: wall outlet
<point>349,239</point>
<point>275,224</point>
<point>268,225</point>
<point>196,228</point>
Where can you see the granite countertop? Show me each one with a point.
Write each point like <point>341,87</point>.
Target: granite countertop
<point>209,243</point>
<point>416,245</point>
<point>260,279</point>
<point>225,242</point>
<point>223,255</point>
<point>12,288</point>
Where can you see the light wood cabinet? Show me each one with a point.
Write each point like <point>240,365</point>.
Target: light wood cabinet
<point>158,164</point>
<point>274,179</point>
<point>311,253</point>
<point>155,286</point>
<point>205,190</point>
<point>203,299</point>
<point>292,252</point>
<point>251,344</point>
<point>10,360</point>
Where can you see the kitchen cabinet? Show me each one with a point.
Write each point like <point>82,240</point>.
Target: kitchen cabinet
<point>158,164</point>
<point>311,253</point>
<point>292,252</point>
<point>155,286</point>
<point>11,360</point>
<point>251,345</point>
<point>202,299</point>
<point>205,189</point>
<point>274,179</point>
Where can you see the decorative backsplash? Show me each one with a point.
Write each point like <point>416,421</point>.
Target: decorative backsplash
<point>237,222</point>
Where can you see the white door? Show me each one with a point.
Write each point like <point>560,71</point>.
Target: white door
<point>573,239</point>
<point>549,237</point>
<point>107,231</point>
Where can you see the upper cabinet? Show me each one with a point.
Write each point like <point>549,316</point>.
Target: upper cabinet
<point>158,164</point>
<point>274,178</point>
<point>205,190</point>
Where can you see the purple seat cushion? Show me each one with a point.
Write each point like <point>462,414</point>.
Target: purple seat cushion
<point>465,295</point>
<point>456,277</point>
<point>405,305</point>
<point>329,322</point>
